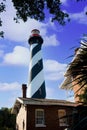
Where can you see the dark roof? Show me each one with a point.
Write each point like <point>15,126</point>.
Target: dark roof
<point>34,101</point>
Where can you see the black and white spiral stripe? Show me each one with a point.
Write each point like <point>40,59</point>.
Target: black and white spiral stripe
<point>36,83</point>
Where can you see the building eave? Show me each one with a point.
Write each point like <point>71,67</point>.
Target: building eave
<point>67,83</point>
<point>16,107</point>
<point>46,102</point>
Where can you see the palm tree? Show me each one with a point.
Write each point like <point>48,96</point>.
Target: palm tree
<point>76,79</point>
<point>78,70</point>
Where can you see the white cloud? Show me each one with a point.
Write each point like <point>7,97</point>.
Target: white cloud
<point>9,86</point>
<point>51,40</point>
<point>54,76</point>
<point>54,70</point>
<point>80,17</point>
<point>64,2</point>
<point>19,56</point>
<point>9,91</point>
<point>20,32</point>
<point>53,65</point>
<point>50,91</point>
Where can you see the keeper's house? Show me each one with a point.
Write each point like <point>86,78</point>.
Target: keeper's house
<point>42,114</point>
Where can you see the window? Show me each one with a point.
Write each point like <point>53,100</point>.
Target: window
<point>39,117</point>
<point>62,119</point>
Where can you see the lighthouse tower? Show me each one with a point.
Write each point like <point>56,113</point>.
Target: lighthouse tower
<point>36,87</point>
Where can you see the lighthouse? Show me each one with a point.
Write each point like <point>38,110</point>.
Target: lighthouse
<point>36,86</point>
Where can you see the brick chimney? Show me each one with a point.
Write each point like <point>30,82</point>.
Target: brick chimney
<point>24,88</point>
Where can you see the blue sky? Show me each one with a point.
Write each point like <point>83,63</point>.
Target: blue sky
<point>58,43</point>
